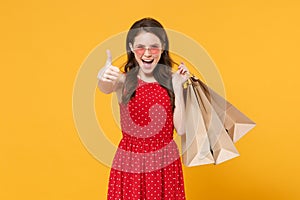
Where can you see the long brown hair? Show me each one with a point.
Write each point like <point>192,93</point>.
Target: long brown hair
<point>162,73</point>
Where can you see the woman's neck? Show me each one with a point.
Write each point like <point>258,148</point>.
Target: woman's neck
<point>146,77</point>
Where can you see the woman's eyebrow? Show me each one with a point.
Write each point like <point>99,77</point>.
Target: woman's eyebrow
<point>139,45</point>
<point>157,45</point>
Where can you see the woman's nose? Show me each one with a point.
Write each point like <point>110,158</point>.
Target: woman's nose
<point>147,52</point>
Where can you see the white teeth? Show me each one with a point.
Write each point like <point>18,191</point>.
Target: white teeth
<point>148,61</point>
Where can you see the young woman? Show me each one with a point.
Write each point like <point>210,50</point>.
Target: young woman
<point>147,163</point>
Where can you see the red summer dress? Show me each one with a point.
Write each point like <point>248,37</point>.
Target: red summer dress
<point>147,164</point>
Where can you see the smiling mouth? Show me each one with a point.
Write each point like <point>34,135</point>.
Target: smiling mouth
<point>147,61</point>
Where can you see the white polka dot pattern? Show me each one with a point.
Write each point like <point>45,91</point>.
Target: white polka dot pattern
<point>147,163</point>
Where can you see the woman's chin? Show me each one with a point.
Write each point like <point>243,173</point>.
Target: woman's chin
<point>147,69</point>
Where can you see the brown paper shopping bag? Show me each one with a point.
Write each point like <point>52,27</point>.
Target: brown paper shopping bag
<point>212,126</point>
<point>195,143</point>
<point>235,122</point>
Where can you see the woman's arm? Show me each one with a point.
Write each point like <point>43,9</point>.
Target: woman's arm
<point>179,112</point>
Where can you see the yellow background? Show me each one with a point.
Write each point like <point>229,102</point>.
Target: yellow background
<point>255,45</point>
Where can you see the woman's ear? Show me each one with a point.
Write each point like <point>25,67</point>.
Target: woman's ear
<point>163,48</point>
<point>131,47</point>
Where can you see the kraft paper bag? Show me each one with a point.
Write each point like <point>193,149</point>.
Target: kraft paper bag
<point>235,122</point>
<point>195,143</point>
<point>213,125</point>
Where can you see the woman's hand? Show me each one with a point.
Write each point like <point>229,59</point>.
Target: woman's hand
<point>108,76</point>
<point>108,73</point>
<point>180,77</point>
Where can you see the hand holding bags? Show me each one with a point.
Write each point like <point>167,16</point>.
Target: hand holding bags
<point>213,125</point>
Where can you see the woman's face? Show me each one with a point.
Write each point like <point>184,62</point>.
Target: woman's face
<point>147,49</point>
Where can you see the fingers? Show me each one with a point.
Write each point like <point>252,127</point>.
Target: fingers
<point>113,71</point>
<point>109,58</point>
<point>109,73</point>
<point>182,69</point>
<point>109,61</point>
<point>109,78</point>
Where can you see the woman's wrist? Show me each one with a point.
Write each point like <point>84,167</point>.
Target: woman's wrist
<point>178,90</point>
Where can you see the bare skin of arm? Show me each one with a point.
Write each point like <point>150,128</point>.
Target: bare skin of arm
<point>179,112</point>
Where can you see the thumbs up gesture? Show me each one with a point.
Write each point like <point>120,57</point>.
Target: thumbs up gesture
<point>108,73</point>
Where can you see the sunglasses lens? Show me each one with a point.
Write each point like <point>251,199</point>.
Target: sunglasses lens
<point>154,50</point>
<point>140,51</point>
